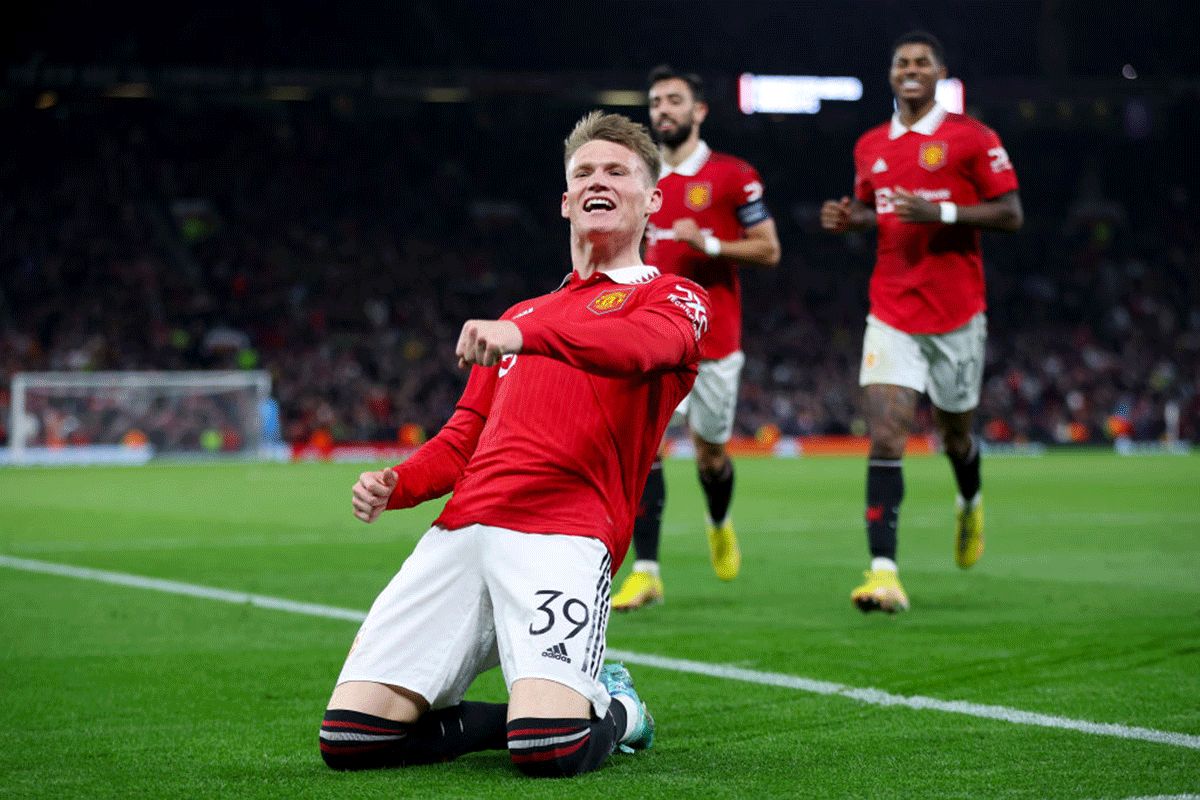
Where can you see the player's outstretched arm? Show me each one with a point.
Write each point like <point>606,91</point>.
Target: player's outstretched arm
<point>434,468</point>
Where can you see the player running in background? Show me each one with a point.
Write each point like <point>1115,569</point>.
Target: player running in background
<point>546,453</point>
<point>929,180</point>
<point>713,219</point>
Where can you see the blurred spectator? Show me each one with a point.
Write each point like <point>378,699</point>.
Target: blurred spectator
<point>342,254</point>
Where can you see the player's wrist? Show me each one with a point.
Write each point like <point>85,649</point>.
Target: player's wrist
<point>712,245</point>
<point>949,213</point>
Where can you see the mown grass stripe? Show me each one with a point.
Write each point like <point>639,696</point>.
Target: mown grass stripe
<point>867,695</point>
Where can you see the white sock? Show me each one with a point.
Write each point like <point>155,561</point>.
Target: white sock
<point>968,504</point>
<point>646,566</point>
<point>631,715</point>
<point>883,563</point>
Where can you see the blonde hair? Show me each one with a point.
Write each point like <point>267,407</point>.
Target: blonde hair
<point>618,129</point>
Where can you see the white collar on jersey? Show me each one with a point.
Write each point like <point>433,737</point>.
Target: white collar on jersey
<point>691,165</point>
<point>926,125</point>
<point>638,273</point>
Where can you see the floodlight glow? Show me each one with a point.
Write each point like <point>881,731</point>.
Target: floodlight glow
<point>792,94</point>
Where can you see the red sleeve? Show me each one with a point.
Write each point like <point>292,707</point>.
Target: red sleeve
<point>746,192</point>
<point>661,333</point>
<point>992,171</point>
<point>864,190</point>
<point>435,467</point>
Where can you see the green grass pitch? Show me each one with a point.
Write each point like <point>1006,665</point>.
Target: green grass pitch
<point>1085,608</point>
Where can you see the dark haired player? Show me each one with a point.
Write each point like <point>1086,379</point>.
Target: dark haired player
<point>928,180</point>
<point>713,219</point>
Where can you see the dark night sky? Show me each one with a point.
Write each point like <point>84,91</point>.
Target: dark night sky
<point>983,38</point>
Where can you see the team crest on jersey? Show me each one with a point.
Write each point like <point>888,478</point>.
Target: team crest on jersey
<point>609,301</point>
<point>933,155</point>
<point>697,196</point>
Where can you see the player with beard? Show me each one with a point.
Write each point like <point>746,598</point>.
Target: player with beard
<point>928,180</point>
<point>713,219</point>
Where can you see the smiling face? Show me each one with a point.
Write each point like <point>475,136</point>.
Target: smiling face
<point>674,112</point>
<point>915,73</point>
<point>609,189</point>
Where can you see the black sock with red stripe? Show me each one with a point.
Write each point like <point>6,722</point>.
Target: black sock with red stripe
<point>560,748</point>
<point>885,490</point>
<point>352,740</point>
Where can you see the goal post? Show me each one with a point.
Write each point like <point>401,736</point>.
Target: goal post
<point>131,417</point>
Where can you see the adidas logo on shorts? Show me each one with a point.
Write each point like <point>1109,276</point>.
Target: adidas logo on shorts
<point>558,651</point>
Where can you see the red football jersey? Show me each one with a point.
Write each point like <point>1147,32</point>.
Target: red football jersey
<point>560,437</point>
<point>725,196</point>
<point>928,277</point>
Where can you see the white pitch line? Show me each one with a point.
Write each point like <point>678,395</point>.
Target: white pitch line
<point>869,696</point>
<point>175,587</point>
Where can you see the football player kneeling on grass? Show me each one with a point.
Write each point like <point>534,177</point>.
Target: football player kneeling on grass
<point>546,454</point>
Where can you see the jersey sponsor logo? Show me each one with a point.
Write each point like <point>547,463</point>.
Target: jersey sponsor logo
<point>698,196</point>
<point>933,155</point>
<point>506,364</point>
<point>523,313</point>
<point>609,301</point>
<point>696,311</point>
<point>879,166</point>
<point>885,195</point>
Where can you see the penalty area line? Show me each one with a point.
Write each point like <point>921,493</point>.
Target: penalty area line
<point>725,672</point>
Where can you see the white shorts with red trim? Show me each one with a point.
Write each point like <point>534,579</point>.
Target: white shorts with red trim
<point>470,599</point>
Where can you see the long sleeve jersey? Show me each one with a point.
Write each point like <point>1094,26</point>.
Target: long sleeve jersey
<point>560,437</point>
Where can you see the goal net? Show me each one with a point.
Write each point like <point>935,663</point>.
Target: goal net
<point>131,417</point>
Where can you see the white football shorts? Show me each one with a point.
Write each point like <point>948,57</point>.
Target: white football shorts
<point>710,406</point>
<point>469,599</point>
<point>949,366</point>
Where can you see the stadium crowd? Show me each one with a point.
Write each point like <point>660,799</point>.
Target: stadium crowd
<point>341,250</point>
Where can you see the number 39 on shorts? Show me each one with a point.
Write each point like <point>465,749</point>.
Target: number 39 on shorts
<point>558,612</point>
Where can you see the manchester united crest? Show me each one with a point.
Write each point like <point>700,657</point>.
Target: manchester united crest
<point>933,155</point>
<point>698,195</point>
<point>609,301</point>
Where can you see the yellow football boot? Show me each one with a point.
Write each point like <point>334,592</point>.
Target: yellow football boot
<point>881,592</point>
<point>968,537</point>
<point>723,547</point>
<point>638,590</point>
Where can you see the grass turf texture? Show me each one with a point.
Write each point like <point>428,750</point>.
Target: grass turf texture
<point>1085,605</point>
